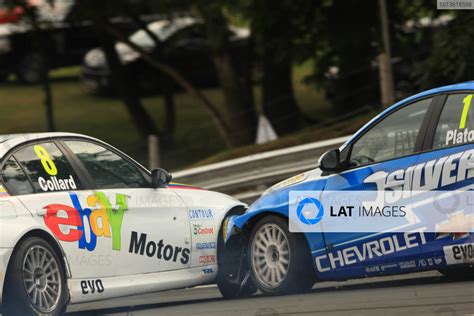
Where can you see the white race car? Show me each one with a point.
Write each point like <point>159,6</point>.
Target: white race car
<point>81,221</point>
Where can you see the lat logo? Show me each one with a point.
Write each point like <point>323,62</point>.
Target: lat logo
<point>99,219</point>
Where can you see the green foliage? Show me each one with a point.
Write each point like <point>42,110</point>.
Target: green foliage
<point>452,56</point>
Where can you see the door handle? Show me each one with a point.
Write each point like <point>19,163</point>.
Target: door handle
<point>41,212</point>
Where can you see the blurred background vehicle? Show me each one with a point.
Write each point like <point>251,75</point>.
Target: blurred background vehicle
<point>181,42</point>
<point>190,83</point>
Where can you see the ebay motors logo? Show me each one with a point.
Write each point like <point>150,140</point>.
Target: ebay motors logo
<point>98,219</point>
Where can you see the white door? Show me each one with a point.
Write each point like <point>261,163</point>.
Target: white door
<point>149,227</point>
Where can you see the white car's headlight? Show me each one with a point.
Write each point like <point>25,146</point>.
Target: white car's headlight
<point>5,45</point>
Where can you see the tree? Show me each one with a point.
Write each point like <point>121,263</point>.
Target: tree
<point>235,81</point>
<point>452,57</point>
<point>40,45</point>
<point>277,26</point>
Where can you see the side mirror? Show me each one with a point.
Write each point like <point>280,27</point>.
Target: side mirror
<point>330,160</point>
<point>160,178</point>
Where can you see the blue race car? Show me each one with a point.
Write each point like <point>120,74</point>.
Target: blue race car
<point>425,141</point>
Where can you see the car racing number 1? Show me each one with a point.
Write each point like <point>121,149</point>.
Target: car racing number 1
<point>46,161</point>
<point>467,104</point>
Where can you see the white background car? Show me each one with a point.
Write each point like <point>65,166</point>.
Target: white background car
<point>81,221</point>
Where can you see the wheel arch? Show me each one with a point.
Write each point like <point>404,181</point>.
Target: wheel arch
<point>50,240</point>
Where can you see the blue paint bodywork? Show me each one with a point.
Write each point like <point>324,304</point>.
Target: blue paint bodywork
<point>427,255</point>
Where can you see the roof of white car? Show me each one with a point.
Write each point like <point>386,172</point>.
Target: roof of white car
<point>7,142</point>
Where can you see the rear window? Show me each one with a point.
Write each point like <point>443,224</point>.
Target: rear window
<point>15,179</point>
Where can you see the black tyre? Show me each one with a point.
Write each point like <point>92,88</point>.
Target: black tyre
<point>459,273</point>
<point>36,281</point>
<point>279,261</point>
<point>228,270</point>
<point>30,68</point>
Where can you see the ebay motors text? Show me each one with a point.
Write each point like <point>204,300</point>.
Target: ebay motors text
<point>160,250</point>
<point>99,219</point>
<point>369,250</point>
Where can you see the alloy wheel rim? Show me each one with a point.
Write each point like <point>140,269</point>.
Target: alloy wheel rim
<point>270,253</point>
<point>42,279</point>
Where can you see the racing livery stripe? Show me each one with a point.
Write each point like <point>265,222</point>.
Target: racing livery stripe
<point>183,186</point>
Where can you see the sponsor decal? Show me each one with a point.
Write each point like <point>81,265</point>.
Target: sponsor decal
<point>407,264</point>
<point>206,245</point>
<point>3,192</point>
<point>99,220</point>
<point>427,176</point>
<point>200,214</point>
<point>198,230</point>
<point>160,250</point>
<point>372,269</point>
<point>208,271</point>
<point>207,259</point>
<point>459,254</point>
<point>388,266</point>
<point>92,286</point>
<point>369,250</point>
<point>293,180</point>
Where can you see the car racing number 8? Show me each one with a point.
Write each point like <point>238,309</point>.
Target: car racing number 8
<point>46,160</point>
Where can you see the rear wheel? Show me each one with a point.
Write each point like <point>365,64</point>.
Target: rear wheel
<point>280,262</point>
<point>36,282</point>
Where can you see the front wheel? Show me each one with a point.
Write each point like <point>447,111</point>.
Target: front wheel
<point>36,282</point>
<point>280,261</point>
<point>231,273</point>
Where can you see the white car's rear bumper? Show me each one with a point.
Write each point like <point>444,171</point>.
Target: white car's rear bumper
<point>5,255</point>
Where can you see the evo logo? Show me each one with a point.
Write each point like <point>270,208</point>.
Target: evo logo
<point>458,254</point>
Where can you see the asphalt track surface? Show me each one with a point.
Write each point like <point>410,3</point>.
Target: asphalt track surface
<point>426,293</point>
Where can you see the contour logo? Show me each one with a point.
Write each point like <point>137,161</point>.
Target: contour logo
<point>313,206</point>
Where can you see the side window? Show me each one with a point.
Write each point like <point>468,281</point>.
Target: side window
<point>393,137</point>
<point>48,168</point>
<point>456,124</point>
<point>15,179</point>
<point>109,170</point>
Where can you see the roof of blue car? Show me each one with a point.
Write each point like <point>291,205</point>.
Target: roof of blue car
<point>469,85</point>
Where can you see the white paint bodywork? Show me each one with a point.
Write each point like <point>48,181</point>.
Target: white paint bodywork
<point>166,215</point>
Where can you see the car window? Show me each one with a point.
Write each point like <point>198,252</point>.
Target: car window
<point>393,137</point>
<point>107,169</point>
<point>15,179</point>
<point>48,168</point>
<point>456,124</point>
